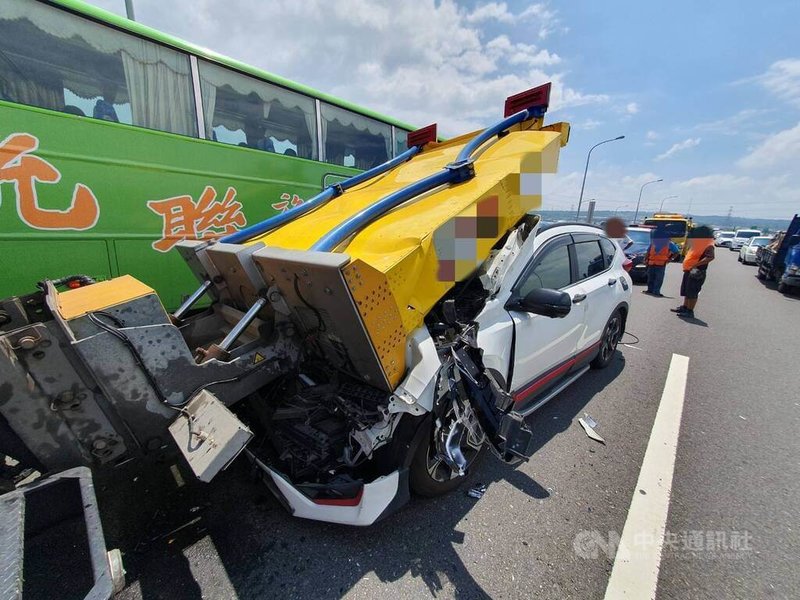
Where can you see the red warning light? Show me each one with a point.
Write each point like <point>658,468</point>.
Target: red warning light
<point>538,97</point>
<point>422,136</point>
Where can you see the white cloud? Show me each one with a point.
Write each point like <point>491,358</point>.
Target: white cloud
<point>783,79</point>
<point>632,108</point>
<point>421,61</point>
<point>779,150</point>
<point>679,147</point>
<point>497,11</point>
<point>735,124</point>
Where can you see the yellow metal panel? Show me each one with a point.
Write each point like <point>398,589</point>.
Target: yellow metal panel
<point>380,315</point>
<point>99,296</point>
<point>407,260</point>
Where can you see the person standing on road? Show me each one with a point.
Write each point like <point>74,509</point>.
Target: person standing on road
<point>695,265</point>
<point>659,253</point>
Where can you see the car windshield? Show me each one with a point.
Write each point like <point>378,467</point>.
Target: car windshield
<point>747,234</point>
<point>672,228</point>
<point>726,234</point>
<point>759,241</point>
<point>639,236</point>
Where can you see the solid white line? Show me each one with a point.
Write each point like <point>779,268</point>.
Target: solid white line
<point>638,558</point>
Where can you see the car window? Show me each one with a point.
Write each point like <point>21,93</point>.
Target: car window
<point>589,259</point>
<point>609,250</point>
<point>552,271</point>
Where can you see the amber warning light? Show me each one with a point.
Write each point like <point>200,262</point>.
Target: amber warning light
<point>538,97</point>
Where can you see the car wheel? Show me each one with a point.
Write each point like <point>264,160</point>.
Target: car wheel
<point>608,343</point>
<point>761,275</point>
<point>429,475</point>
<point>783,288</point>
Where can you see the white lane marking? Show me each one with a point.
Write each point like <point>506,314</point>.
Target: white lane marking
<point>638,558</point>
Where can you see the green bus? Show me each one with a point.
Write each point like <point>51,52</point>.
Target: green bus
<point>117,141</point>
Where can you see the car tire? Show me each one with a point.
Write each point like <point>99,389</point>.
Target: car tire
<point>423,482</point>
<point>612,333</point>
<point>783,288</point>
<point>760,275</point>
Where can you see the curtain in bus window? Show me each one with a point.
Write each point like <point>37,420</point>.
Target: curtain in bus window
<point>400,140</point>
<point>159,91</point>
<point>208,94</point>
<point>354,140</point>
<point>249,112</point>
<point>60,61</point>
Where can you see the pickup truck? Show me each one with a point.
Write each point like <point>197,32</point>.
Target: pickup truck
<point>780,260</point>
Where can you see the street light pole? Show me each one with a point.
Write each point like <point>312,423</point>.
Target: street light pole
<point>636,216</point>
<point>660,208</point>
<point>129,10</point>
<point>586,169</point>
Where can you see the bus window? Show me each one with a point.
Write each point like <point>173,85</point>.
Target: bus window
<point>245,111</point>
<point>400,141</point>
<point>353,140</point>
<point>53,59</point>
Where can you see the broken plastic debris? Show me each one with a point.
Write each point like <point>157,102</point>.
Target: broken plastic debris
<point>588,424</point>
<point>477,491</point>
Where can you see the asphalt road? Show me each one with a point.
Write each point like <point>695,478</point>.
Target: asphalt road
<point>733,517</point>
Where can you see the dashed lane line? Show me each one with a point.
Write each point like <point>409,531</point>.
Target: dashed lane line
<point>638,558</point>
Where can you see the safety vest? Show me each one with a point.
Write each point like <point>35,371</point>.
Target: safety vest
<point>657,258</point>
<point>697,246</point>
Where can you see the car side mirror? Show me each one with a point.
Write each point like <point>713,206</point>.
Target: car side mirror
<point>545,302</point>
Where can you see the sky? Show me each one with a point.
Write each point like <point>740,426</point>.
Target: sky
<point>707,94</point>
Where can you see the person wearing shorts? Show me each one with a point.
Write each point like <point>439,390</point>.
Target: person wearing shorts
<point>695,265</point>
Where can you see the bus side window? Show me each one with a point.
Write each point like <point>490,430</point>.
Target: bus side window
<point>57,60</point>
<point>353,140</point>
<point>400,141</point>
<point>245,111</point>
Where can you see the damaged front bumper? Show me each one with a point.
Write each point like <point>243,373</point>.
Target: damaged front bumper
<point>364,505</point>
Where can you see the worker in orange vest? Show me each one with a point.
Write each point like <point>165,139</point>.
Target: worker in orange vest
<point>695,265</point>
<point>659,254</point>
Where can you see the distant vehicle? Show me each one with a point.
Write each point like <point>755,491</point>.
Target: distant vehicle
<point>742,236</point>
<point>723,238</point>
<point>780,259</point>
<point>636,251</point>
<point>677,228</point>
<point>748,253</point>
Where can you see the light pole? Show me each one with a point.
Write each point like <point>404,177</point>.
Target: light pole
<point>129,10</point>
<point>661,207</point>
<point>586,170</point>
<point>636,216</point>
<point>616,210</point>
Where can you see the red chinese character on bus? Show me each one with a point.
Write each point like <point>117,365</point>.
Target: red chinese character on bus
<point>186,219</point>
<point>18,165</point>
<point>289,201</point>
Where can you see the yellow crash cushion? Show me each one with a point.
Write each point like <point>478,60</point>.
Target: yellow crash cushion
<point>98,296</point>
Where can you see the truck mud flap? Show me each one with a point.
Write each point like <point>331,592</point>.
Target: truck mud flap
<point>52,544</point>
<point>508,434</point>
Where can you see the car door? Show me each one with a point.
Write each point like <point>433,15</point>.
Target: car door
<point>544,347</point>
<point>599,282</point>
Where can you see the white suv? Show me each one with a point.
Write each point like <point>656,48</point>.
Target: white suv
<point>742,237</point>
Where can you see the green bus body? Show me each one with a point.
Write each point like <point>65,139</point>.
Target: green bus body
<point>126,167</point>
<point>80,195</point>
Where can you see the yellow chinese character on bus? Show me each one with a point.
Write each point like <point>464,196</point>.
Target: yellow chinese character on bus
<point>18,165</point>
<point>185,219</point>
